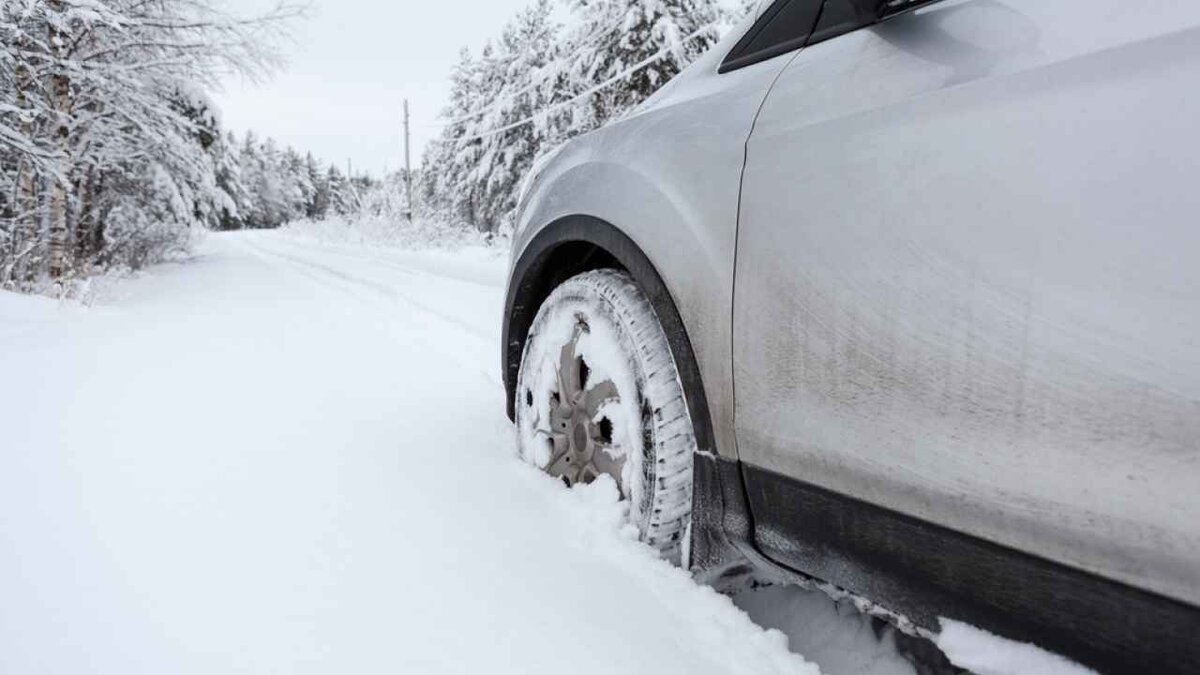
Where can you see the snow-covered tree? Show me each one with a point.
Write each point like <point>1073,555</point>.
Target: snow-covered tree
<point>539,85</point>
<point>318,201</point>
<point>526,84</point>
<point>630,48</point>
<point>263,186</point>
<point>106,135</point>
<point>228,176</point>
<point>300,189</point>
<point>448,159</point>
<point>341,199</point>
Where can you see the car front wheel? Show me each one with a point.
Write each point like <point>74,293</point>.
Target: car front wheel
<point>598,394</point>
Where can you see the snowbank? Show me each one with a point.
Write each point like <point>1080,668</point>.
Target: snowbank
<point>16,308</point>
<point>986,654</point>
<point>280,456</point>
<point>388,232</point>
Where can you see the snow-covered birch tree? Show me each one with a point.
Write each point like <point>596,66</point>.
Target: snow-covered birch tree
<point>107,137</point>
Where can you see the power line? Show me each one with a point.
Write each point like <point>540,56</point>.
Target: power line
<point>589,42</point>
<point>592,90</point>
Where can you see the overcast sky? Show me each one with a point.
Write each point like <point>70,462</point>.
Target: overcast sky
<point>351,64</point>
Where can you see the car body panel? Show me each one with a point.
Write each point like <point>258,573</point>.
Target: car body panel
<point>967,286</point>
<point>668,175</point>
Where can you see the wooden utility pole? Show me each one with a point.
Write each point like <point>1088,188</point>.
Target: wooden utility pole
<point>408,206</point>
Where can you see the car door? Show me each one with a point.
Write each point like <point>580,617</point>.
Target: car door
<point>966,287</point>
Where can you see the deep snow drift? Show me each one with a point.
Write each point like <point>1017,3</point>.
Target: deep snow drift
<point>286,456</point>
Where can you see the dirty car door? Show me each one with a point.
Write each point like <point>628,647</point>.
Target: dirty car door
<point>966,287</point>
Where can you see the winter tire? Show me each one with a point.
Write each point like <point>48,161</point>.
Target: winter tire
<point>598,394</point>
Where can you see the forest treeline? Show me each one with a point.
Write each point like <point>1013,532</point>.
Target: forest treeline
<point>264,185</point>
<point>112,153</point>
<point>542,82</point>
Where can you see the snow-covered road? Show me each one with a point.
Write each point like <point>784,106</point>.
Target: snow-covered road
<point>291,457</point>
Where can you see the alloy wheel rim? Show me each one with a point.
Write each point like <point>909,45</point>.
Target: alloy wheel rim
<point>580,437</point>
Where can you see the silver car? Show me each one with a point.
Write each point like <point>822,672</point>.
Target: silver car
<point>902,297</point>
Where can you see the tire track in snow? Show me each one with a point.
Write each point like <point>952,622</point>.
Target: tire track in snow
<point>384,290</point>
<point>333,278</point>
<point>302,248</point>
<point>356,252</point>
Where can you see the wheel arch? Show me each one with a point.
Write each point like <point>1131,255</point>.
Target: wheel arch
<point>578,243</point>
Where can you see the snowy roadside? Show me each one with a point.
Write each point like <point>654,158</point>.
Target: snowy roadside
<point>290,455</point>
<point>390,232</point>
<point>278,457</point>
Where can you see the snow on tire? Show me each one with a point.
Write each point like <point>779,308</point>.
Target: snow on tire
<point>598,394</point>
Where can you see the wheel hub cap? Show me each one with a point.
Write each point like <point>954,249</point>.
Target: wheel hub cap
<point>581,449</point>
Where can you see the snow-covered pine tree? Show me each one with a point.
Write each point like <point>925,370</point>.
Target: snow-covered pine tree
<point>318,202</point>
<point>341,202</point>
<point>251,167</point>
<point>298,186</point>
<point>228,175</point>
<point>523,77</point>
<point>271,188</point>
<point>448,160</point>
<point>507,105</point>
<point>612,37</point>
<point>745,7</point>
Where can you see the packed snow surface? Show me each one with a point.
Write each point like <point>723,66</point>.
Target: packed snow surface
<point>284,456</point>
<point>290,455</point>
<point>986,654</point>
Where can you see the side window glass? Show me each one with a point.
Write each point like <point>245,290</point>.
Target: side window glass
<point>784,26</point>
<point>843,16</point>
